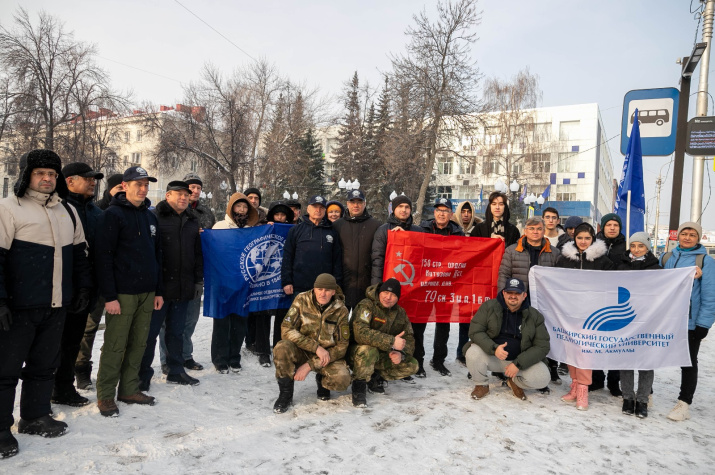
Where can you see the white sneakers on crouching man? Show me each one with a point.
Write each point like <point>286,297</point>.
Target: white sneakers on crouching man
<point>680,412</point>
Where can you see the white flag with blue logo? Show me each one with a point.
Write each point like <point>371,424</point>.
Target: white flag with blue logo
<point>615,319</point>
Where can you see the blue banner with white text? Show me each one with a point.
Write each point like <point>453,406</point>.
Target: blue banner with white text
<point>242,270</point>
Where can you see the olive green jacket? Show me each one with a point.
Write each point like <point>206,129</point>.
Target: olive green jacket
<point>486,325</point>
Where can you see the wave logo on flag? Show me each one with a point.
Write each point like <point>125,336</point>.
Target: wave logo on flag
<point>261,259</point>
<point>615,317</point>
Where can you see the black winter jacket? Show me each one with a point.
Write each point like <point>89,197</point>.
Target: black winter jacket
<point>379,244</point>
<point>356,236</point>
<point>128,252</point>
<point>204,215</point>
<point>309,251</point>
<point>106,200</point>
<point>484,229</point>
<point>616,247</point>
<point>649,263</point>
<point>452,228</point>
<point>90,215</point>
<point>182,260</point>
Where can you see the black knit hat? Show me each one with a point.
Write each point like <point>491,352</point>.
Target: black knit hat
<point>399,200</point>
<point>391,285</point>
<point>42,158</point>
<point>254,191</point>
<point>114,180</point>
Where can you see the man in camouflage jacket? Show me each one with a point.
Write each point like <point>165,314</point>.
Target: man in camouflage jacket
<point>382,341</point>
<point>315,337</point>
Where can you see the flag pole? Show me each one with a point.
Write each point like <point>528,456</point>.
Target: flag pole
<point>628,221</point>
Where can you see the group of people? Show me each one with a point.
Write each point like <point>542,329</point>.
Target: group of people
<point>66,260</point>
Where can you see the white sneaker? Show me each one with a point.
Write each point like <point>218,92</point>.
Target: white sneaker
<point>680,412</point>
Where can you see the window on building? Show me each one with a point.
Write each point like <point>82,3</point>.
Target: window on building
<point>139,135</point>
<point>194,165</point>
<point>542,132</point>
<point>490,167</point>
<point>5,187</point>
<point>566,162</point>
<point>10,168</point>
<point>136,159</point>
<point>469,166</point>
<point>541,163</point>
<point>517,168</point>
<point>329,169</point>
<point>444,192</point>
<point>491,135</point>
<point>445,164</point>
<point>127,136</point>
<point>566,193</point>
<point>469,192</point>
<point>569,130</point>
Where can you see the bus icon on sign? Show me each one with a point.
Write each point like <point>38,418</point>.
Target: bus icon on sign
<point>654,116</point>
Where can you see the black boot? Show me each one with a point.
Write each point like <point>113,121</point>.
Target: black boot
<point>45,426</point>
<point>628,407</point>
<point>554,371</point>
<point>359,390</point>
<point>421,373</point>
<point>614,387</point>
<point>376,384</point>
<point>285,396</point>
<point>68,397</point>
<point>8,444</point>
<point>83,376</point>
<point>323,394</point>
<point>641,410</point>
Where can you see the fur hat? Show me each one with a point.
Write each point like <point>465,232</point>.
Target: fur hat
<point>42,158</point>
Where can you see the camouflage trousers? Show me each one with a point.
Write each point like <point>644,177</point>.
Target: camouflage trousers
<point>364,360</point>
<point>287,357</point>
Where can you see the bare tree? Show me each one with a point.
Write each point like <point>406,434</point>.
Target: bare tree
<point>52,75</point>
<point>441,78</point>
<point>512,141</point>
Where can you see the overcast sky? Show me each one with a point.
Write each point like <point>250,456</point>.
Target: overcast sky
<point>583,51</point>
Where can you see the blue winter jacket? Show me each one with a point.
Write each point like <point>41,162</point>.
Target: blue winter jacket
<point>702,300</point>
<point>309,251</point>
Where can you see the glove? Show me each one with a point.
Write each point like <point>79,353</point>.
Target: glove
<point>700,332</point>
<point>198,290</point>
<point>5,317</point>
<point>80,302</point>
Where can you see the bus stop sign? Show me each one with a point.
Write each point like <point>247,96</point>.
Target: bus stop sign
<point>658,116</point>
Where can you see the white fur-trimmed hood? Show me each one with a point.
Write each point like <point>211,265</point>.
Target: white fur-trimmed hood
<point>594,251</point>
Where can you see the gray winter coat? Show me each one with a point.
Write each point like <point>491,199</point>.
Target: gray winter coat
<point>517,262</point>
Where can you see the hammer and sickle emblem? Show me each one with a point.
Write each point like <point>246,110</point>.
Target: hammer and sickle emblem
<point>400,269</point>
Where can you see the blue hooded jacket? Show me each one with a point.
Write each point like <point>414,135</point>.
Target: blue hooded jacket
<point>702,299</point>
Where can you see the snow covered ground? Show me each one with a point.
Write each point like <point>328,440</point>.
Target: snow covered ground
<point>227,425</point>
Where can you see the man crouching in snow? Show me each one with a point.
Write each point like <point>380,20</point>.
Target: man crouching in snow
<point>508,336</point>
<point>315,336</point>
<point>382,342</point>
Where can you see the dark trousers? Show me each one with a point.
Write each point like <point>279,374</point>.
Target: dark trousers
<point>72,335</point>
<point>173,315</point>
<point>226,340</point>
<point>261,331</point>
<point>599,377</point>
<point>33,339</point>
<point>251,329</point>
<point>463,338</point>
<point>279,315</point>
<point>90,331</point>
<point>441,336</point>
<point>689,375</point>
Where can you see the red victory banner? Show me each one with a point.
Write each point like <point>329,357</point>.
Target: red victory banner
<point>444,278</point>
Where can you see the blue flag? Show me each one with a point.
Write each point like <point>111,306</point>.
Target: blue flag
<point>546,192</point>
<point>242,270</point>
<point>632,179</point>
<point>523,194</point>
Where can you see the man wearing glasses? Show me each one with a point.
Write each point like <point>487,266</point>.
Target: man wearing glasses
<point>81,181</point>
<point>42,260</point>
<point>443,225</point>
<point>551,221</point>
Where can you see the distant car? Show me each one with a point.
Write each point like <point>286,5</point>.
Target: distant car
<point>655,116</point>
